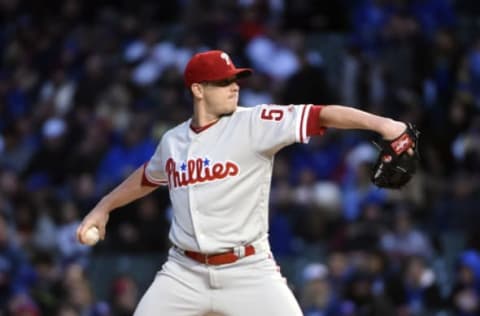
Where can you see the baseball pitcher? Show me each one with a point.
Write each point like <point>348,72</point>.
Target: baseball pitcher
<point>218,167</point>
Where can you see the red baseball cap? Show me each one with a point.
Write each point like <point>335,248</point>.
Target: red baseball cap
<point>212,65</point>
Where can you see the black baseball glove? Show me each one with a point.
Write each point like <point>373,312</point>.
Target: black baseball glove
<point>395,166</point>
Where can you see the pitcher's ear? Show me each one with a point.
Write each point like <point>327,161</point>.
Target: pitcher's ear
<point>197,90</point>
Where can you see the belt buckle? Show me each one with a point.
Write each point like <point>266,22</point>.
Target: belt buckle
<point>206,258</point>
<point>239,252</point>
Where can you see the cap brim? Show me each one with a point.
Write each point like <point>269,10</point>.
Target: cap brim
<point>243,72</point>
<point>239,73</point>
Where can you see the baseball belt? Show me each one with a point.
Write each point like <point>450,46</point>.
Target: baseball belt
<point>220,258</point>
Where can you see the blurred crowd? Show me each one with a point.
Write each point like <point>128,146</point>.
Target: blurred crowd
<point>88,87</point>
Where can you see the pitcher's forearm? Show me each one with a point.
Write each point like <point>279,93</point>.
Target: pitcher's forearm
<point>343,117</point>
<point>126,192</point>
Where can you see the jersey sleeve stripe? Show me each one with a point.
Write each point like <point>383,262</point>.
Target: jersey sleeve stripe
<point>298,134</point>
<point>303,124</point>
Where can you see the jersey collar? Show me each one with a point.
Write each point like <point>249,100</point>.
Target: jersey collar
<point>199,129</point>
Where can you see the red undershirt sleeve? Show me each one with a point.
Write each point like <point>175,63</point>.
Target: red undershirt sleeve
<point>313,121</point>
<point>145,181</point>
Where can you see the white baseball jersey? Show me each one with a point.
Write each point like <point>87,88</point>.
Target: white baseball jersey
<point>219,178</point>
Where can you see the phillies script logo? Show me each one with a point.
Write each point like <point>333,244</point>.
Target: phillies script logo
<point>198,170</point>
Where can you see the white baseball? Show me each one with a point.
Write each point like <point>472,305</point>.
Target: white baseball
<point>91,236</point>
